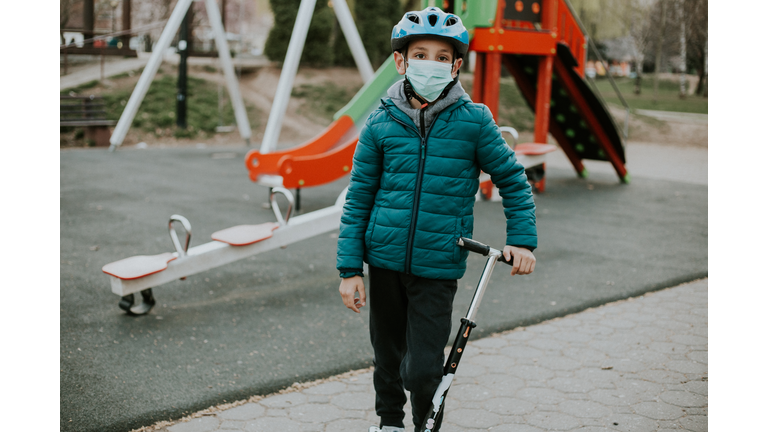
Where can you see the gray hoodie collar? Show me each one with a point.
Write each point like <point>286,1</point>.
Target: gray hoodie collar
<point>397,94</point>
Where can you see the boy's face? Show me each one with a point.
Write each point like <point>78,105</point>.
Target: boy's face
<point>428,49</point>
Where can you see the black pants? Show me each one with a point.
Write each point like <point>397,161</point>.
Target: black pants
<point>410,326</point>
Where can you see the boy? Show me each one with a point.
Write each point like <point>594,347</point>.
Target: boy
<point>411,194</point>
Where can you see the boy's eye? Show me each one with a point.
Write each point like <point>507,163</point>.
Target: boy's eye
<point>419,56</point>
<point>443,59</point>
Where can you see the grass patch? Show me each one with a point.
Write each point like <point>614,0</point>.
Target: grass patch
<point>324,100</point>
<point>123,75</point>
<point>86,86</point>
<point>157,112</point>
<point>513,110</point>
<point>667,100</point>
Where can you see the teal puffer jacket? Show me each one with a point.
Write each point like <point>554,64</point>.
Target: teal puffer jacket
<point>412,191</point>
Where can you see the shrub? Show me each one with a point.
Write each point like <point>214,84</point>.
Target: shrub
<point>375,19</point>
<point>317,49</point>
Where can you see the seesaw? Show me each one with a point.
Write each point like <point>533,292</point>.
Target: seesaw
<point>139,274</point>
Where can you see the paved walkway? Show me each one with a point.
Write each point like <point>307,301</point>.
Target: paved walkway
<point>674,116</point>
<point>634,365</point>
<point>113,66</point>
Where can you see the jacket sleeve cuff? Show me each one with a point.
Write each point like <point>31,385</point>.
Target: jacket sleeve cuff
<point>348,273</point>
<point>530,248</point>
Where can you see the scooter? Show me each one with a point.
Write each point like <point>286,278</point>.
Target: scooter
<point>467,324</point>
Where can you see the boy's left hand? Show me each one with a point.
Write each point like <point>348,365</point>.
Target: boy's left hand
<point>524,261</point>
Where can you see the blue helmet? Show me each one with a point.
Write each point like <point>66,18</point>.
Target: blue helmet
<point>430,22</point>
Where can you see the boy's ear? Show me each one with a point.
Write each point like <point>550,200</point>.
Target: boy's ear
<point>399,62</point>
<point>456,67</point>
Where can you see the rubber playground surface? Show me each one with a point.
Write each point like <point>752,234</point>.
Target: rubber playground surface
<point>261,324</point>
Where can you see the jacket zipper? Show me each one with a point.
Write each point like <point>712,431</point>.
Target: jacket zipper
<point>416,197</point>
<point>417,193</point>
<point>423,134</point>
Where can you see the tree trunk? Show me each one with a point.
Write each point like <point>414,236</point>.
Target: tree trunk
<point>700,84</point>
<point>659,41</point>
<point>638,51</point>
<point>706,68</point>
<point>681,17</point>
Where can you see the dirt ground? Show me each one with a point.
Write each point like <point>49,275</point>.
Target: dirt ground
<point>258,88</point>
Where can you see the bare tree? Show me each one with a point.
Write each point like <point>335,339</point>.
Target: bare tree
<point>703,84</point>
<point>679,4</point>
<point>65,10</point>
<point>640,33</point>
<point>659,46</point>
<point>696,12</point>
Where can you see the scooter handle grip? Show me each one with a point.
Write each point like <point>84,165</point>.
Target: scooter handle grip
<point>477,247</point>
<point>474,246</point>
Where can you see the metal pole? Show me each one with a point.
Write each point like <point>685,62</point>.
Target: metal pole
<point>126,23</point>
<point>181,96</point>
<point>482,284</point>
<point>224,14</point>
<point>353,39</point>
<point>544,75</point>
<point>290,66</point>
<point>88,21</point>
<point>229,71</point>
<point>148,74</point>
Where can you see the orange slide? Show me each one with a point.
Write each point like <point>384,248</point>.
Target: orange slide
<point>310,164</point>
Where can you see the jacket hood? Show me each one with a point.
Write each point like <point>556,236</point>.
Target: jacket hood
<point>397,94</point>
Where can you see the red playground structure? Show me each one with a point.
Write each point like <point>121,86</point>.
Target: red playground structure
<point>543,46</point>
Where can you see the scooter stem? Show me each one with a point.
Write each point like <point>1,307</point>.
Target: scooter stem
<point>493,258</point>
<point>467,324</point>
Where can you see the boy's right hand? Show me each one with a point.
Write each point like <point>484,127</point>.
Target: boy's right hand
<point>348,288</point>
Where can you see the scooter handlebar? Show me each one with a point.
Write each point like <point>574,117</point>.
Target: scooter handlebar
<point>482,249</point>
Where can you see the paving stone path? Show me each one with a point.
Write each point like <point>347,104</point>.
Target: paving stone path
<point>635,365</point>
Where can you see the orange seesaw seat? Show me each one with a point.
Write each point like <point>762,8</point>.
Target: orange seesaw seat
<point>137,267</point>
<point>243,235</point>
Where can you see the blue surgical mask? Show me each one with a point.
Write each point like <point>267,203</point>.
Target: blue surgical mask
<point>428,78</point>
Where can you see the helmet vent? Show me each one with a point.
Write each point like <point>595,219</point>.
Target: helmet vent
<point>432,19</point>
<point>414,18</point>
<point>451,21</point>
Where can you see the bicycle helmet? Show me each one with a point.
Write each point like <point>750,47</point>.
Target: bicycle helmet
<point>431,22</point>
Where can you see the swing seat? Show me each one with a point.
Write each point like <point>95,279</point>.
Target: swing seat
<point>243,235</point>
<point>136,267</point>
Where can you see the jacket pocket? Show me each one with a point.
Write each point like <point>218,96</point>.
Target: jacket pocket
<point>371,225</point>
<point>463,229</point>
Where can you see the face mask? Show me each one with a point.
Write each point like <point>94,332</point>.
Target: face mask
<point>428,77</point>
